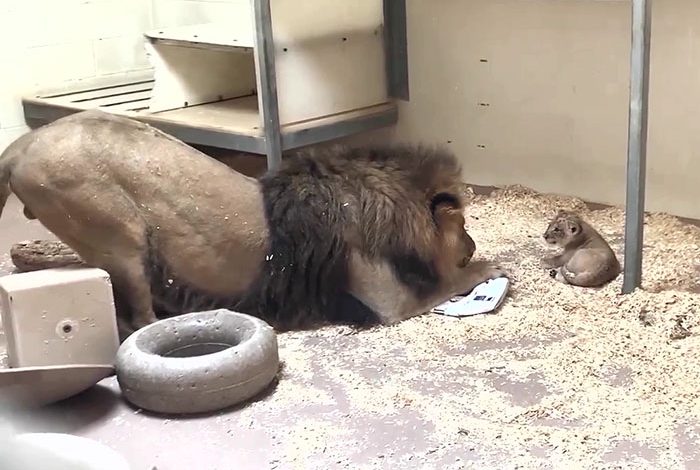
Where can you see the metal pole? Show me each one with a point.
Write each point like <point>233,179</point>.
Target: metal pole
<point>637,144</point>
<point>265,51</point>
<point>396,47</point>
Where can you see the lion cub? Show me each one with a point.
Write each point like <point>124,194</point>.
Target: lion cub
<point>587,260</point>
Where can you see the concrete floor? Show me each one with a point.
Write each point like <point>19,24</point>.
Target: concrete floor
<point>281,429</point>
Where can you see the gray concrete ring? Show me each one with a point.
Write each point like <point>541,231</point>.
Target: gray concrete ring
<point>197,362</point>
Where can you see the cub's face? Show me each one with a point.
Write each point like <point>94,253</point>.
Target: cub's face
<point>564,228</point>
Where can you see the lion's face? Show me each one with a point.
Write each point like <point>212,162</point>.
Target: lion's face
<point>458,246</point>
<point>466,246</point>
<point>469,249</point>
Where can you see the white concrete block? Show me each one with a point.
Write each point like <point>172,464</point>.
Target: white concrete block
<point>7,136</point>
<point>59,316</point>
<point>113,18</point>
<point>121,54</point>
<point>168,13</point>
<point>13,59</point>
<point>11,112</point>
<point>50,65</point>
<point>34,23</point>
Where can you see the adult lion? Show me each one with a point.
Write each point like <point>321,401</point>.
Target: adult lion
<point>179,231</point>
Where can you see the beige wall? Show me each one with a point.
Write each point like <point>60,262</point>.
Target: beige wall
<point>556,84</point>
<point>47,42</point>
<point>555,81</point>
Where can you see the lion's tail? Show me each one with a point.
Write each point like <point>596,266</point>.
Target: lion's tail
<point>7,161</point>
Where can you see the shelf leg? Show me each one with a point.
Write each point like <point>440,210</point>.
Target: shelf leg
<point>265,63</point>
<point>637,144</point>
<point>396,47</point>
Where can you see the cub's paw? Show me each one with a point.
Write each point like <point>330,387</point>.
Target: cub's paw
<point>559,276</point>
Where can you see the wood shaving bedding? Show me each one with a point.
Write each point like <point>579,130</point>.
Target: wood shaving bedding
<point>560,377</point>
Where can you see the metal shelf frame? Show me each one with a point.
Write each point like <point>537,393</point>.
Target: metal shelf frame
<point>637,144</point>
<point>395,40</point>
<point>273,141</point>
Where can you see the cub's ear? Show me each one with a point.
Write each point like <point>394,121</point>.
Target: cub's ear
<point>573,224</point>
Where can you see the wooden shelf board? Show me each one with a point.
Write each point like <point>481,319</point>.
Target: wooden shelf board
<point>205,36</point>
<point>237,118</point>
<point>237,115</point>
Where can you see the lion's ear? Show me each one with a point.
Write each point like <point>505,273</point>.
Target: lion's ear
<point>446,210</point>
<point>444,199</point>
